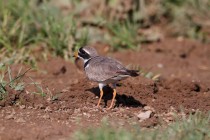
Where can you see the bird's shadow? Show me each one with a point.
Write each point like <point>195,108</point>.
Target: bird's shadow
<point>121,99</point>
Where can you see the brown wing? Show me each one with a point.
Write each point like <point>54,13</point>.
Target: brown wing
<point>103,68</point>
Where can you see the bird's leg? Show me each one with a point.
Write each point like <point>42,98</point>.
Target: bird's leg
<point>114,95</point>
<point>101,93</point>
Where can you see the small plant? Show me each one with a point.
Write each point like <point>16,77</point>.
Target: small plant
<point>105,132</point>
<point>51,96</point>
<point>124,35</point>
<point>15,29</point>
<point>81,39</point>
<point>54,29</point>
<point>10,83</point>
<point>145,73</point>
<point>38,87</point>
<point>188,17</point>
<point>14,83</point>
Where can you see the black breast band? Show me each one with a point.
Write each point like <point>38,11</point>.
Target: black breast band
<point>86,63</point>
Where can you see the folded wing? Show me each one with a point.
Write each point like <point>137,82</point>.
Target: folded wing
<point>103,68</point>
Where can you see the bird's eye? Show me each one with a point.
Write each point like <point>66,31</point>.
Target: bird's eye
<point>82,51</point>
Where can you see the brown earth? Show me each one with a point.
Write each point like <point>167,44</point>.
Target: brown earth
<point>69,99</point>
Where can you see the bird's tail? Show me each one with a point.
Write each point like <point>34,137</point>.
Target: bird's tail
<point>133,73</point>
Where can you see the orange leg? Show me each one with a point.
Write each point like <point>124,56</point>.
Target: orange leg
<point>101,95</point>
<point>114,95</point>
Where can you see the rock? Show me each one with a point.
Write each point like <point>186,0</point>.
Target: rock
<point>75,81</point>
<point>39,106</point>
<point>20,120</point>
<point>48,109</point>
<point>9,117</point>
<point>30,107</point>
<point>22,107</point>
<point>87,115</point>
<point>146,108</point>
<point>65,90</point>
<point>144,115</point>
<point>160,65</point>
<point>46,116</point>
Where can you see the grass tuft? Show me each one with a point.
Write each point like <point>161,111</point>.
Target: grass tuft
<point>195,127</point>
<point>13,83</point>
<point>55,29</point>
<point>24,24</point>
<point>145,73</point>
<point>124,35</point>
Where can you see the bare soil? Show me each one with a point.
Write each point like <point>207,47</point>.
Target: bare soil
<point>70,99</point>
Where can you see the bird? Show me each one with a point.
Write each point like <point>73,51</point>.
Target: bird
<point>103,70</point>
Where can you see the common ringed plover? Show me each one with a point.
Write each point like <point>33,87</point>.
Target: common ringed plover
<point>104,70</point>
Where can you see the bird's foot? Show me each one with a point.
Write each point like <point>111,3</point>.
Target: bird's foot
<point>98,106</point>
<point>110,107</point>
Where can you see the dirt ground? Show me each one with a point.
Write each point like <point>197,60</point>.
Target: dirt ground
<point>70,100</point>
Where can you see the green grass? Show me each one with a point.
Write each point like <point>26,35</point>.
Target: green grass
<point>195,127</point>
<point>188,18</point>
<point>144,72</point>
<point>26,25</point>
<point>12,83</point>
<point>123,35</point>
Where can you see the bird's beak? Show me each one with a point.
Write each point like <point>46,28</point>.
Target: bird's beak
<point>75,54</point>
<point>76,59</point>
